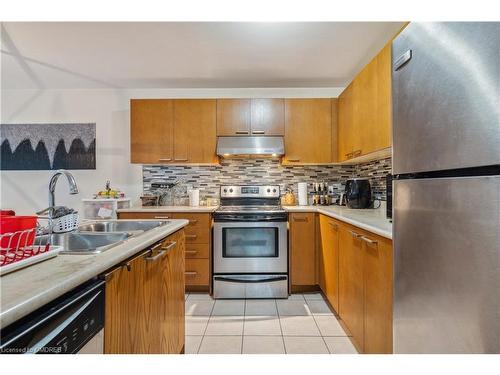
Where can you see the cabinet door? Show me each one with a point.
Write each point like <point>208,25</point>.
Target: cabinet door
<point>151,131</point>
<point>335,129</point>
<point>345,124</point>
<point>351,292</point>
<point>367,110</point>
<point>124,309</point>
<point>194,131</point>
<point>384,102</point>
<point>268,117</point>
<point>329,260</point>
<point>308,131</point>
<point>378,294</point>
<point>233,117</point>
<point>171,296</point>
<point>302,249</point>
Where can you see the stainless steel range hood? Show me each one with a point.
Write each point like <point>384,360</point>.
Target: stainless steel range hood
<point>250,146</point>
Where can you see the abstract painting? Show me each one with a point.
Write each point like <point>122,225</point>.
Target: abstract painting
<point>47,146</point>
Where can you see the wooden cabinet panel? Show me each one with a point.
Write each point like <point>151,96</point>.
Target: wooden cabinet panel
<point>308,131</point>
<point>198,229</point>
<point>197,250</point>
<point>367,110</point>
<point>197,272</point>
<point>267,117</point>
<point>233,117</point>
<point>351,285</point>
<point>335,129</point>
<point>302,249</point>
<point>345,124</point>
<point>151,130</point>
<point>194,131</point>
<point>145,301</point>
<point>384,95</point>
<point>378,294</point>
<point>172,295</point>
<point>329,259</point>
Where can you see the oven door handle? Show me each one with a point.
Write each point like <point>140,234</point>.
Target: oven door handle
<point>263,279</point>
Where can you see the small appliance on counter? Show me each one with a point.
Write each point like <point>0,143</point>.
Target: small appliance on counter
<point>288,199</point>
<point>358,193</point>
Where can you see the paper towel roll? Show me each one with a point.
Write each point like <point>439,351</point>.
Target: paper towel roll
<point>302,188</point>
<point>194,197</point>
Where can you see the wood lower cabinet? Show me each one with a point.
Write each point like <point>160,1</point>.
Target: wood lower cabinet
<point>351,285</point>
<point>308,131</point>
<point>365,288</point>
<point>328,270</point>
<point>145,301</point>
<point>198,240</point>
<point>302,247</point>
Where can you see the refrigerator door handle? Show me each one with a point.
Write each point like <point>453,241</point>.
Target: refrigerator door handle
<point>402,60</point>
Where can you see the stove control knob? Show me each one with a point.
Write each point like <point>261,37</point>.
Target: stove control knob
<point>268,190</point>
<point>230,190</point>
<point>274,190</point>
<point>225,190</point>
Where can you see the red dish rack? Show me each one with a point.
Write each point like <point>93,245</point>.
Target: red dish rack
<point>17,235</point>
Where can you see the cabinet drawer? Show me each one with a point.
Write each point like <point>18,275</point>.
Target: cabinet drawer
<point>199,251</point>
<point>198,229</point>
<point>197,271</point>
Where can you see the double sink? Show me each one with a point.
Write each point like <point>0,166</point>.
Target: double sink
<point>99,236</point>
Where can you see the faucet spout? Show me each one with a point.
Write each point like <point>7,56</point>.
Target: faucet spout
<point>73,188</point>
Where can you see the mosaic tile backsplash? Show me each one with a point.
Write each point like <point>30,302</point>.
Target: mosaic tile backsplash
<point>266,172</point>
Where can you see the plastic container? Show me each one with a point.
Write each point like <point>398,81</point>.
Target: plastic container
<point>103,208</point>
<point>22,228</point>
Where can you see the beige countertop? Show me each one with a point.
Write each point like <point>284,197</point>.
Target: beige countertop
<point>23,291</point>
<point>169,209</point>
<point>372,220</point>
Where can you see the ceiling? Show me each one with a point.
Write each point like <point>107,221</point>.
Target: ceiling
<point>187,54</point>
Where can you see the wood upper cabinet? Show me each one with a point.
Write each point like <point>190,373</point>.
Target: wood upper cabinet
<point>351,283</point>
<point>244,117</point>
<point>173,131</point>
<point>233,117</point>
<point>328,269</point>
<point>302,249</point>
<point>365,109</point>
<point>145,301</point>
<point>267,117</point>
<point>194,131</point>
<point>151,130</point>
<point>308,131</point>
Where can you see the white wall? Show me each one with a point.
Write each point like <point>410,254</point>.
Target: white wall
<point>26,191</point>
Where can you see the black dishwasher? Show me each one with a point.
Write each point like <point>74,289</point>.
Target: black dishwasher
<point>63,326</point>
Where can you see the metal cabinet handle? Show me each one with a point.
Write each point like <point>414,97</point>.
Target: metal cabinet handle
<point>190,273</point>
<point>293,160</point>
<point>163,251</point>
<point>349,155</point>
<point>162,217</point>
<point>357,153</point>
<point>165,159</point>
<point>258,132</point>
<point>334,225</point>
<point>180,159</point>
<point>169,246</point>
<point>191,252</point>
<point>369,241</point>
<point>354,234</point>
<point>191,236</point>
<point>241,132</point>
<point>303,219</point>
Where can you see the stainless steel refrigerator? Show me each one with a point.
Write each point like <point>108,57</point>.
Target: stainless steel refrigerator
<point>446,162</point>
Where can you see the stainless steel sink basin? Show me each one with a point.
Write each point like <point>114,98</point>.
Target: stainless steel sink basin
<point>120,226</point>
<point>84,243</point>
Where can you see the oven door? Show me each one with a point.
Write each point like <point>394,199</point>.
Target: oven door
<point>250,247</point>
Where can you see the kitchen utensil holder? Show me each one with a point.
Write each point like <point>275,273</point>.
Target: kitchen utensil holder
<point>65,223</point>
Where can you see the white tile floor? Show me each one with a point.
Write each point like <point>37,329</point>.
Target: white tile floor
<point>302,324</point>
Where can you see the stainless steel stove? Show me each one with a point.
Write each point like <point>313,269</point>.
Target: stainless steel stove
<point>250,243</point>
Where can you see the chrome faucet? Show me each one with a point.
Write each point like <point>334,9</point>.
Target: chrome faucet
<point>73,188</point>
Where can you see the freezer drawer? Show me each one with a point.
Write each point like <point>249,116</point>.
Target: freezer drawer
<point>447,265</point>
<point>446,96</point>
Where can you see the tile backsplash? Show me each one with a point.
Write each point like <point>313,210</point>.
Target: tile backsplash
<point>265,172</point>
